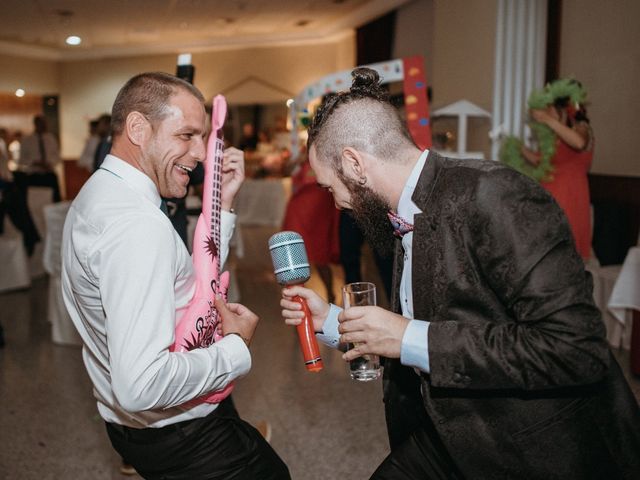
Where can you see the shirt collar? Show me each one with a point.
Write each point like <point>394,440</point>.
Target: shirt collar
<point>136,179</point>
<point>406,207</point>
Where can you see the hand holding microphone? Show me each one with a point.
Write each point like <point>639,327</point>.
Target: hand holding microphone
<point>291,267</point>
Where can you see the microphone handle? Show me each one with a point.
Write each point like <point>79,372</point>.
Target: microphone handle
<point>307,337</point>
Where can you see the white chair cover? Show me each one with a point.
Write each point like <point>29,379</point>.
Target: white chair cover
<point>625,294</point>
<point>14,263</point>
<point>63,331</point>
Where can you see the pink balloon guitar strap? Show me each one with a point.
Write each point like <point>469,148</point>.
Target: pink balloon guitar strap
<point>199,326</point>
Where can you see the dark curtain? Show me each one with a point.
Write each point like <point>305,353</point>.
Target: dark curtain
<point>375,40</point>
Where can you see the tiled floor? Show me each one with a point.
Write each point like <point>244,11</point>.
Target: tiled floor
<point>325,426</point>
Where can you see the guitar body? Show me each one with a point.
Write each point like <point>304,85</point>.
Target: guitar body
<point>200,324</point>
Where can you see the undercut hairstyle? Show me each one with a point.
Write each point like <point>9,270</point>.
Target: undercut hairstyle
<point>363,118</point>
<point>148,93</point>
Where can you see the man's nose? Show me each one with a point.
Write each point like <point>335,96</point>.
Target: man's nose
<point>199,150</point>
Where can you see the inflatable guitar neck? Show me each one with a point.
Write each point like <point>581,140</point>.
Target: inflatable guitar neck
<point>199,326</point>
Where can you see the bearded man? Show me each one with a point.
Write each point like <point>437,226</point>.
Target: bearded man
<point>497,366</point>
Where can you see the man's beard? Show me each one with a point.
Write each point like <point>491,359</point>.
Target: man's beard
<point>369,210</point>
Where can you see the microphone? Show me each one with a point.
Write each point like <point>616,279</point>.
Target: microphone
<point>291,267</point>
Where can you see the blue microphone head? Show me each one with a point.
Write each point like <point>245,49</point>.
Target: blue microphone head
<point>289,257</point>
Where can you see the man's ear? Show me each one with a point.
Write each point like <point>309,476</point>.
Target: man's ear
<point>353,163</point>
<point>138,128</point>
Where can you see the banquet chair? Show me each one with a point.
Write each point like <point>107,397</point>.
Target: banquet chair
<point>14,273</point>
<point>63,332</point>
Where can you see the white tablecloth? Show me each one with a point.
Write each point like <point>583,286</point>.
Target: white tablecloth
<point>14,270</point>
<point>38,198</point>
<point>63,332</point>
<point>263,201</point>
<point>625,295</point>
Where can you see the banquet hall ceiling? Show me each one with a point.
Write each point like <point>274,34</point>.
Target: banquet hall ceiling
<point>38,28</point>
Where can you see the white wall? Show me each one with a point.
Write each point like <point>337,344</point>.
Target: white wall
<point>89,88</point>
<point>414,32</point>
<point>39,77</point>
<point>457,39</point>
<point>600,46</point>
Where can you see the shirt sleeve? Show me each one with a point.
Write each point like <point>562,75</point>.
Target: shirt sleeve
<point>227,227</point>
<point>414,351</point>
<point>136,274</point>
<point>330,335</point>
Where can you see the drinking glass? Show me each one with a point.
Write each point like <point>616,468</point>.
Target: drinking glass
<point>366,367</point>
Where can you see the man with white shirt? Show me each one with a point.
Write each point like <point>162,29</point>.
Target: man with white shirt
<point>497,366</point>
<point>126,278</point>
<point>39,155</point>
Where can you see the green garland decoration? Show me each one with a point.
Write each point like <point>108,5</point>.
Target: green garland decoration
<point>511,149</point>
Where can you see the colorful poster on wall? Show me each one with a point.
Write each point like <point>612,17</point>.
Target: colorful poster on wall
<point>410,71</point>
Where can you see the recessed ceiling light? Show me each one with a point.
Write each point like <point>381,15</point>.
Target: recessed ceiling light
<point>73,40</point>
<point>20,92</point>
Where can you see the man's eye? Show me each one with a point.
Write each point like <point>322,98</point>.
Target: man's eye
<point>185,136</point>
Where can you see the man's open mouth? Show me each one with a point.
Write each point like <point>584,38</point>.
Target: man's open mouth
<point>184,168</point>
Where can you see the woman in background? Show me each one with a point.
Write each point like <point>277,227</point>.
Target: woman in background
<point>312,213</point>
<point>568,182</point>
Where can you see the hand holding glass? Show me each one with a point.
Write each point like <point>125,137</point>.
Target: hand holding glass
<point>366,367</point>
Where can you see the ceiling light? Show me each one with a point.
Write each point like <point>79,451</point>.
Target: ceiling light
<point>289,102</point>
<point>73,40</point>
<point>20,92</point>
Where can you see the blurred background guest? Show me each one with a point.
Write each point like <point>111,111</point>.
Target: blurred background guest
<point>566,116</point>
<point>103,130</point>
<point>89,150</point>
<point>39,155</point>
<point>312,213</point>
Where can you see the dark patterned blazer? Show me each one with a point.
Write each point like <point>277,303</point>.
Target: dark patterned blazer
<point>522,382</point>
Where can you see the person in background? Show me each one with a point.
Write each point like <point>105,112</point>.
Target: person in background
<point>249,140</point>
<point>103,130</point>
<point>14,145</point>
<point>312,213</point>
<point>495,357</point>
<point>127,276</point>
<point>13,200</point>
<point>89,150</point>
<point>569,183</point>
<point>39,155</point>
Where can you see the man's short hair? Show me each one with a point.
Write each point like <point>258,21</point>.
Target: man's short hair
<point>147,93</point>
<point>363,118</point>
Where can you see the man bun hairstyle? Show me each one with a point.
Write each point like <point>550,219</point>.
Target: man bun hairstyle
<point>361,117</point>
<point>366,83</point>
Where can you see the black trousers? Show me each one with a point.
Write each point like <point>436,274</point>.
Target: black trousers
<point>13,202</point>
<point>420,457</point>
<point>44,179</point>
<point>219,446</point>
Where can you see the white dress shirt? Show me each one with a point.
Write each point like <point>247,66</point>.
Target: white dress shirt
<point>126,278</point>
<point>30,154</point>
<point>414,350</point>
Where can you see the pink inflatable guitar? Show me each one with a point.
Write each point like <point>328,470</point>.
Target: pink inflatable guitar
<point>199,326</point>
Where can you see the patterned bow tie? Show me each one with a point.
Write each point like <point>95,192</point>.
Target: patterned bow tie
<point>400,225</point>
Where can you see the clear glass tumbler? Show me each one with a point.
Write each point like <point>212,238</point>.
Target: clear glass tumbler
<point>358,294</point>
